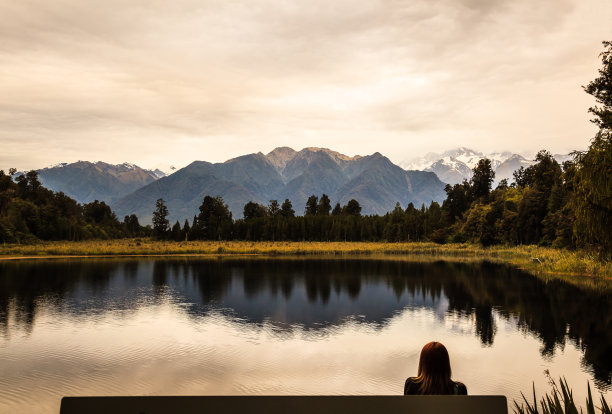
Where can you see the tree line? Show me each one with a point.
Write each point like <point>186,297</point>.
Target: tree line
<point>536,208</point>
<point>30,212</point>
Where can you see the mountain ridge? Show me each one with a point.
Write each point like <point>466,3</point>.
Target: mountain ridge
<point>283,173</point>
<point>87,181</point>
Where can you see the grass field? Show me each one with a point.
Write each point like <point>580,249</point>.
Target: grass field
<point>540,260</point>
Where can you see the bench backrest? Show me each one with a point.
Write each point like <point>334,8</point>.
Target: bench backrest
<point>422,404</point>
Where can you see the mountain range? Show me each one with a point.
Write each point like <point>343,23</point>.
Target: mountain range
<point>373,180</point>
<point>283,173</point>
<point>456,165</point>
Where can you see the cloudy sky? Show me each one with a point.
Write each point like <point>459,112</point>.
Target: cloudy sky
<point>159,82</point>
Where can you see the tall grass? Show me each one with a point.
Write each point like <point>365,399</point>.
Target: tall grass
<point>537,260</point>
<point>560,402</point>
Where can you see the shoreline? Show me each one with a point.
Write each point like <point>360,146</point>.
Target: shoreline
<point>567,264</point>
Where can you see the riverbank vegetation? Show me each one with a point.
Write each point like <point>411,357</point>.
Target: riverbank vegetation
<point>535,259</point>
<point>561,401</point>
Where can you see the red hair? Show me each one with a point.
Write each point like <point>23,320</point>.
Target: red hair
<point>434,373</point>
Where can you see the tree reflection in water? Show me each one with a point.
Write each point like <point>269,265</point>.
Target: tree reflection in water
<point>313,294</point>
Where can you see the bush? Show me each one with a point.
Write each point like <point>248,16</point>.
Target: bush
<point>560,402</point>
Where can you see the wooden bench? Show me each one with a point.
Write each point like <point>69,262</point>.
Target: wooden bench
<point>421,404</point>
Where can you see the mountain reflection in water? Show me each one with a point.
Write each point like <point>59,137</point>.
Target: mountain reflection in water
<point>314,294</point>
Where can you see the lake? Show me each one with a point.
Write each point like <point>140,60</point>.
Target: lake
<point>246,326</point>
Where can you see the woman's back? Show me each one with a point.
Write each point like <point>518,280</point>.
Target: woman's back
<point>413,387</point>
<point>434,374</point>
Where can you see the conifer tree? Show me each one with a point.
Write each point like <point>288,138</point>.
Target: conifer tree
<point>337,211</point>
<point>311,206</point>
<point>287,209</point>
<point>161,224</point>
<point>324,206</point>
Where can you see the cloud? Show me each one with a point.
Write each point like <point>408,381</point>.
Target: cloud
<point>150,80</point>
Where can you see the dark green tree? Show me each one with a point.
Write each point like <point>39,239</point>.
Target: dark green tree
<point>337,211</point>
<point>161,225</point>
<point>324,206</point>
<point>176,232</point>
<point>215,219</point>
<point>273,208</point>
<point>132,225</point>
<point>593,197</point>
<point>98,212</point>
<point>457,201</point>
<point>601,89</point>
<point>287,210</point>
<point>253,210</point>
<point>593,175</point>
<point>186,229</point>
<point>311,206</point>
<point>482,179</point>
<point>352,208</point>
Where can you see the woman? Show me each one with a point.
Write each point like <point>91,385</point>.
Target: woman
<point>434,375</point>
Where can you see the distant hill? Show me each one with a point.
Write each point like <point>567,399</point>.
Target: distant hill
<point>373,180</point>
<point>87,181</point>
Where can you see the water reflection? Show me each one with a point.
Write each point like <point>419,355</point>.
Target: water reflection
<point>311,295</point>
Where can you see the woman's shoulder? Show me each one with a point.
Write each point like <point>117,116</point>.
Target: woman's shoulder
<point>411,386</point>
<point>460,387</point>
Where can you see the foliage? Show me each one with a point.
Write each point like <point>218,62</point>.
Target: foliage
<point>30,212</point>
<point>560,402</point>
<point>161,225</point>
<point>601,89</point>
<point>482,178</point>
<point>214,221</point>
<point>593,176</point>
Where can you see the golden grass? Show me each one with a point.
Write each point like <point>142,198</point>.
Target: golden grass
<point>534,259</point>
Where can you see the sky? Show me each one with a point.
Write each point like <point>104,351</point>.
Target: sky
<point>157,82</point>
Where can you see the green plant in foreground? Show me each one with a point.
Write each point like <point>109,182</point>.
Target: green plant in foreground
<point>560,402</point>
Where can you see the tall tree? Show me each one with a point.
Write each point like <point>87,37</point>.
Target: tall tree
<point>311,206</point>
<point>287,209</point>
<point>324,206</point>
<point>215,219</point>
<point>352,208</point>
<point>482,179</point>
<point>253,210</point>
<point>601,89</point>
<point>186,229</point>
<point>176,232</point>
<point>593,176</point>
<point>273,208</point>
<point>131,224</point>
<point>161,225</point>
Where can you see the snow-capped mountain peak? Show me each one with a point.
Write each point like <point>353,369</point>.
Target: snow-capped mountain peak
<point>58,165</point>
<point>130,166</point>
<point>455,165</point>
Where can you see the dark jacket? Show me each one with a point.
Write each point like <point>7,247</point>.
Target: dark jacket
<point>411,387</point>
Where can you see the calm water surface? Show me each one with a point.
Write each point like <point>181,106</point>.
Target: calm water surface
<point>287,326</point>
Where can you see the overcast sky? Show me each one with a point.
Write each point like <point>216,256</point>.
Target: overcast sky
<point>168,82</point>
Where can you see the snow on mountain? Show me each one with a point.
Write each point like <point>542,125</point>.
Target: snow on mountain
<point>507,168</point>
<point>157,173</point>
<point>130,166</point>
<point>455,165</point>
<point>164,168</point>
<point>58,165</point>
